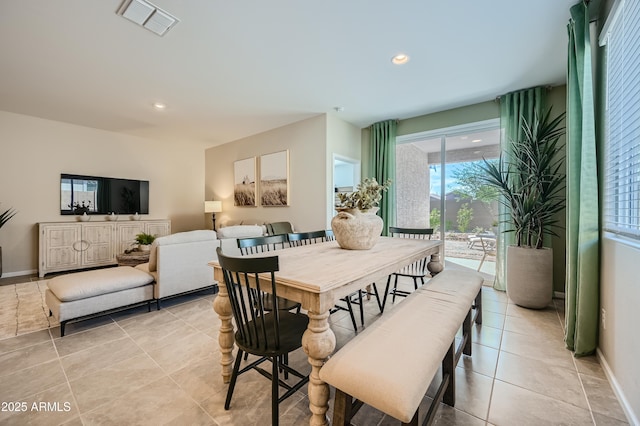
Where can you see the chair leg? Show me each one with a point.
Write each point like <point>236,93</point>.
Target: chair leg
<point>395,289</point>
<point>375,292</point>
<point>386,293</point>
<point>481,262</point>
<point>275,391</point>
<point>353,318</point>
<point>361,308</point>
<point>415,283</point>
<point>232,383</point>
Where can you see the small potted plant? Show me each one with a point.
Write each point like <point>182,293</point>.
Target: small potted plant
<point>144,241</point>
<point>356,226</point>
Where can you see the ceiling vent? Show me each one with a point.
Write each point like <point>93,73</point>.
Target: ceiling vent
<point>147,15</point>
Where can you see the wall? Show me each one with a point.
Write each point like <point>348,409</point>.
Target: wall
<point>306,142</point>
<point>35,152</point>
<point>412,187</point>
<point>619,272</point>
<point>343,139</point>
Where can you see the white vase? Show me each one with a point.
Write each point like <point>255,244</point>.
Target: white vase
<point>357,230</point>
<point>144,247</point>
<point>84,217</point>
<point>530,276</point>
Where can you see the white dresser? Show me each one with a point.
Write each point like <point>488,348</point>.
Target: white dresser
<point>65,246</point>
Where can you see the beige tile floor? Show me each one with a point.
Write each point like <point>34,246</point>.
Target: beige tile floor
<point>163,367</point>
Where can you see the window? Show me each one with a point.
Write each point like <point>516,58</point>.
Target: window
<point>621,35</point>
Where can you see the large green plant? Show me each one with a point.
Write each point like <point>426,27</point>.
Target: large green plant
<point>6,215</point>
<point>531,181</point>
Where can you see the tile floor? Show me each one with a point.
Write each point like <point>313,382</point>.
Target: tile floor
<point>163,367</point>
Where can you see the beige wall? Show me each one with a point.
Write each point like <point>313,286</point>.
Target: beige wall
<point>306,142</point>
<point>36,151</point>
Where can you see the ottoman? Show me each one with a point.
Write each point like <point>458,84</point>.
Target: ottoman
<point>83,295</point>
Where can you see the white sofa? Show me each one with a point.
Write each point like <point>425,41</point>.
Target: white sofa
<point>179,263</point>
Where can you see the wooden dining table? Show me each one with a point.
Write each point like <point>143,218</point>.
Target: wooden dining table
<point>317,276</point>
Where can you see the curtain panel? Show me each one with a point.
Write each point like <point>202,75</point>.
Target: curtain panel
<point>515,107</point>
<point>582,233</point>
<point>383,167</point>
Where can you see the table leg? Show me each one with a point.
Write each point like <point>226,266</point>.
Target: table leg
<point>318,343</point>
<point>434,266</point>
<point>222,306</point>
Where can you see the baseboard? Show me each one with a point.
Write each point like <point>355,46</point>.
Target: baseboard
<point>626,406</point>
<point>558,295</point>
<point>19,273</point>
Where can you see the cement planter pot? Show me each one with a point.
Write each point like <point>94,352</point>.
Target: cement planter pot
<point>357,230</point>
<point>530,276</point>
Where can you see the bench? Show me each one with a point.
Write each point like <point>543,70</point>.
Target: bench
<point>391,364</point>
<point>83,295</point>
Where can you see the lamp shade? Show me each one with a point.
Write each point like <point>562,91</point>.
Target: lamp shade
<point>212,206</point>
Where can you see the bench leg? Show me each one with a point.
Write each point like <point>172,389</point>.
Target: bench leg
<point>478,306</point>
<point>449,374</point>
<point>342,409</point>
<point>466,333</point>
<point>62,324</point>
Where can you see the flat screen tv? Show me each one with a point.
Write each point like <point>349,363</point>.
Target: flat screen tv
<point>102,195</point>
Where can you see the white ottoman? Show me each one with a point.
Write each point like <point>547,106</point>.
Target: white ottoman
<point>82,295</point>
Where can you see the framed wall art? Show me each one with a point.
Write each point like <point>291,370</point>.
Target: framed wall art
<point>244,178</point>
<point>274,179</point>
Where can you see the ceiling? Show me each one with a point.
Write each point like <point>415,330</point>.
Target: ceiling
<point>230,69</point>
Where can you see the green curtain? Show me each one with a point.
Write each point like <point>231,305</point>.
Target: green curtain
<point>383,166</point>
<point>583,238</point>
<point>514,108</point>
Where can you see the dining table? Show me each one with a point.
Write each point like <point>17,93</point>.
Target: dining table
<point>317,276</point>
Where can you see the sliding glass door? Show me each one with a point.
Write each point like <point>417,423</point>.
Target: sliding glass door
<point>438,186</point>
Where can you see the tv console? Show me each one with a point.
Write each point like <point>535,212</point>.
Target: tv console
<point>67,246</point>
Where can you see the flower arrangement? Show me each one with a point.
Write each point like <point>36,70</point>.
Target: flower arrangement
<point>367,195</point>
<point>80,208</point>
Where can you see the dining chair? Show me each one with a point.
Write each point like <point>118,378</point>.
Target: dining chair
<point>305,238</point>
<point>488,248</point>
<point>416,270</point>
<point>278,228</point>
<point>255,245</point>
<point>354,298</point>
<point>269,334</point>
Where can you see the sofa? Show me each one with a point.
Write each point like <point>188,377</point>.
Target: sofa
<point>179,263</point>
<point>231,231</point>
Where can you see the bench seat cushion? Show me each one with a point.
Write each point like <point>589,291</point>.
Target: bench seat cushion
<point>392,363</point>
<point>82,285</point>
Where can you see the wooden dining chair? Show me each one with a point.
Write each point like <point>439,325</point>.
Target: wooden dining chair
<point>416,271</point>
<point>255,245</point>
<point>269,334</point>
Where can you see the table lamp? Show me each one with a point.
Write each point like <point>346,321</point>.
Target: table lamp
<point>213,207</point>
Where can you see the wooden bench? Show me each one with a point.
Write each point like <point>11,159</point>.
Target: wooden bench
<point>392,363</point>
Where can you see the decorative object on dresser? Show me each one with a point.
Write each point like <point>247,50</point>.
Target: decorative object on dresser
<point>356,226</point>
<point>67,246</point>
<point>4,218</point>
<point>213,207</point>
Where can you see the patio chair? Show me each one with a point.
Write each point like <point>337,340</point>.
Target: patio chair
<point>270,335</point>
<point>488,247</point>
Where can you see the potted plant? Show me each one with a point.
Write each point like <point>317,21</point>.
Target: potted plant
<point>4,218</point>
<point>532,186</point>
<point>356,226</point>
<point>144,241</point>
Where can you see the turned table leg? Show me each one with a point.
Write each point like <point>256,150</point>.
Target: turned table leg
<point>222,307</point>
<point>318,343</point>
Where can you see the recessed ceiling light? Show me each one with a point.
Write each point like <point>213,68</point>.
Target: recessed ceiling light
<point>476,140</point>
<point>159,106</point>
<point>400,59</point>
